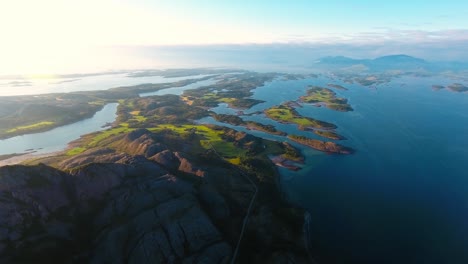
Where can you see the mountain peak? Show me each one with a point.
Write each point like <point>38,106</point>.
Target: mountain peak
<point>337,59</point>
<point>399,58</point>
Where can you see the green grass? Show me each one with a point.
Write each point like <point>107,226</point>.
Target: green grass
<point>227,100</point>
<point>225,149</point>
<point>139,118</point>
<point>209,96</point>
<point>318,95</point>
<point>326,96</point>
<point>329,134</point>
<point>209,135</point>
<point>32,126</point>
<point>107,133</point>
<point>288,116</point>
<point>136,116</point>
<point>75,151</point>
<point>235,161</point>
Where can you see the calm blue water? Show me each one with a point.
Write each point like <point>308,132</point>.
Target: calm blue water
<point>58,138</point>
<point>180,90</point>
<point>403,196</point>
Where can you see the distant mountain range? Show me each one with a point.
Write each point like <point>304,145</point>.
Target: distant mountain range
<point>399,61</point>
<point>390,62</point>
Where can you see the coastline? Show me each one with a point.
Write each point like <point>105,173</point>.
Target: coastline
<point>28,156</point>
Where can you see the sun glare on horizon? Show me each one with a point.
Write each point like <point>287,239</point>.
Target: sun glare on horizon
<point>61,36</point>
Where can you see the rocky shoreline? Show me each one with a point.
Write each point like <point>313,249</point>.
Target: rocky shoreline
<point>328,147</point>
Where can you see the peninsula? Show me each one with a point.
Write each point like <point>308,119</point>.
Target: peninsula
<point>237,121</point>
<point>328,147</point>
<point>288,115</point>
<point>154,179</point>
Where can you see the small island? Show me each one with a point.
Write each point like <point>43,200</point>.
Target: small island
<point>458,87</point>
<point>329,134</point>
<point>290,159</point>
<point>324,96</point>
<point>235,91</point>
<point>251,125</point>
<point>328,147</point>
<point>437,87</point>
<point>337,86</point>
<point>288,115</point>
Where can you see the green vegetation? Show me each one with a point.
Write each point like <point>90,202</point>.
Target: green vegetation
<point>329,134</point>
<point>328,147</point>
<point>169,117</point>
<point>327,97</point>
<point>38,125</point>
<point>287,114</point>
<point>234,91</point>
<point>75,151</point>
<point>292,153</point>
<point>95,138</point>
<point>168,120</point>
<point>237,121</point>
<point>208,137</point>
<point>264,128</point>
<point>28,114</point>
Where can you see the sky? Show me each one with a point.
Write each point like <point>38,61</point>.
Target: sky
<point>51,34</point>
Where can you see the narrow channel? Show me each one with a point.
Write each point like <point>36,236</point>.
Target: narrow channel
<point>58,138</point>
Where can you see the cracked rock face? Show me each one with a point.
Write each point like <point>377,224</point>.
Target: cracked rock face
<point>162,222</point>
<point>145,215</point>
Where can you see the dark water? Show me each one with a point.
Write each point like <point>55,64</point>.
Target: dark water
<point>403,196</point>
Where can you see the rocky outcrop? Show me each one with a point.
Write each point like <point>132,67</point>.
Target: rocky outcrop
<point>187,166</point>
<point>328,147</point>
<point>161,222</point>
<point>96,155</point>
<point>140,142</point>
<point>138,214</point>
<point>109,206</point>
<point>167,159</point>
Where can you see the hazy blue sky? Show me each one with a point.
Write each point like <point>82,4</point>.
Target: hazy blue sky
<point>318,20</point>
<point>53,33</point>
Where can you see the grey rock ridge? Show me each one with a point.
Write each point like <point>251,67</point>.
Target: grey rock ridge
<point>151,206</point>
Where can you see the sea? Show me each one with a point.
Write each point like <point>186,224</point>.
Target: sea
<point>402,197</point>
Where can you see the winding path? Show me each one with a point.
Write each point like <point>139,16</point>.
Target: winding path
<point>246,218</point>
